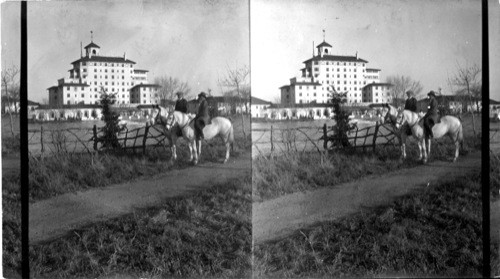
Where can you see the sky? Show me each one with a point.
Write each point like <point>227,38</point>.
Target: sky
<point>426,40</point>
<point>196,41</point>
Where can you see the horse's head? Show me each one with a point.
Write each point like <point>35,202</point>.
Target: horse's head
<point>162,118</point>
<point>401,119</point>
<point>390,115</point>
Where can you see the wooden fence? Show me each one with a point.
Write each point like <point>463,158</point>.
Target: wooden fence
<point>87,140</point>
<point>367,137</point>
<point>307,138</point>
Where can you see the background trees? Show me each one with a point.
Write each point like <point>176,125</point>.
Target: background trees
<point>467,84</point>
<point>401,85</point>
<point>10,93</point>
<point>170,86</point>
<point>235,85</point>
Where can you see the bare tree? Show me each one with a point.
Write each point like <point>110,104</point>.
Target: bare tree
<point>238,83</point>
<point>467,83</point>
<point>10,92</point>
<point>170,86</point>
<point>401,85</point>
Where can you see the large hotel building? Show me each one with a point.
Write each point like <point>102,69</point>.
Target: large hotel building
<point>93,73</point>
<point>325,73</point>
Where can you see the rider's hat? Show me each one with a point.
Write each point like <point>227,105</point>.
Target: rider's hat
<point>409,92</point>
<point>202,94</point>
<point>179,93</point>
<point>431,93</point>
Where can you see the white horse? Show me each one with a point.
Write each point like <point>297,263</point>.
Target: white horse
<point>448,125</point>
<point>177,120</point>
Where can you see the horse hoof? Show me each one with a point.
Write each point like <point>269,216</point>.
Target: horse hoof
<point>454,160</point>
<point>424,161</point>
<point>225,161</point>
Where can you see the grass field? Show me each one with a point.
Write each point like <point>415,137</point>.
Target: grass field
<point>291,172</point>
<point>61,173</point>
<point>204,235</point>
<point>436,232</point>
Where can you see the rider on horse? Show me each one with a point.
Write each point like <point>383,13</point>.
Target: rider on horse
<point>180,105</point>
<point>411,105</point>
<point>431,117</point>
<point>202,117</point>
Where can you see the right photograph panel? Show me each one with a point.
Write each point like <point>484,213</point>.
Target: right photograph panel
<point>366,138</point>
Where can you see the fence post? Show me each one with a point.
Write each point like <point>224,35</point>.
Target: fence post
<point>144,139</point>
<point>325,138</point>
<point>272,145</point>
<point>94,129</point>
<point>41,138</point>
<point>375,135</point>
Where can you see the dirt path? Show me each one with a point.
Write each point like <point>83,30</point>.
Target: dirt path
<point>56,216</point>
<point>279,217</point>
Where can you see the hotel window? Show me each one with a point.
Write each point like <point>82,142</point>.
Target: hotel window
<point>105,70</point>
<point>67,89</point>
<point>68,96</point>
<point>112,76</point>
<point>83,88</point>
<point>84,70</point>
<point>105,64</point>
<point>345,70</point>
<point>345,76</point>
<point>83,95</point>
<point>327,69</point>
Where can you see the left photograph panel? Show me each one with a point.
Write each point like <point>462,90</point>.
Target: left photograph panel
<point>139,139</point>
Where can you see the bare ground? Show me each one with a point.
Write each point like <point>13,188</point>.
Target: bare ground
<point>277,218</point>
<point>55,217</point>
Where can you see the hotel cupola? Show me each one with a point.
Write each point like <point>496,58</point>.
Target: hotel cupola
<point>324,49</point>
<point>91,50</point>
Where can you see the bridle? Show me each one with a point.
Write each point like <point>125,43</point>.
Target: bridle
<point>159,120</point>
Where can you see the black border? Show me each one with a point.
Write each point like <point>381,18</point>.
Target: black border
<point>485,158</point>
<point>23,98</point>
<point>485,144</point>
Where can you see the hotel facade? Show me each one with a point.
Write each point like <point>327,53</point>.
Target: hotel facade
<point>325,73</point>
<point>92,73</point>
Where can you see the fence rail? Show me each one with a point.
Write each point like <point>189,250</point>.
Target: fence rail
<point>295,138</point>
<point>88,140</point>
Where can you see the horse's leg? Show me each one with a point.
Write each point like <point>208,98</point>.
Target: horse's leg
<point>173,148</point>
<point>198,147</point>
<point>424,149</point>
<point>457,146</point>
<point>228,146</point>
<point>192,145</point>
<point>428,146</point>
<point>403,145</point>
<point>420,147</point>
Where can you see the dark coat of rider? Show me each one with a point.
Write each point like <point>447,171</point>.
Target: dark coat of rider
<point>181,104</point>
<point>432,115</point>
<point>411,102</point>
<point>202,117</point>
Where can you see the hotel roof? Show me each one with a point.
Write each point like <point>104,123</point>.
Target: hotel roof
<point>103,59</point>
<point>92,45</point>
<point>145,85</point>
<point>324,44</point>
<point>336,58</point>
